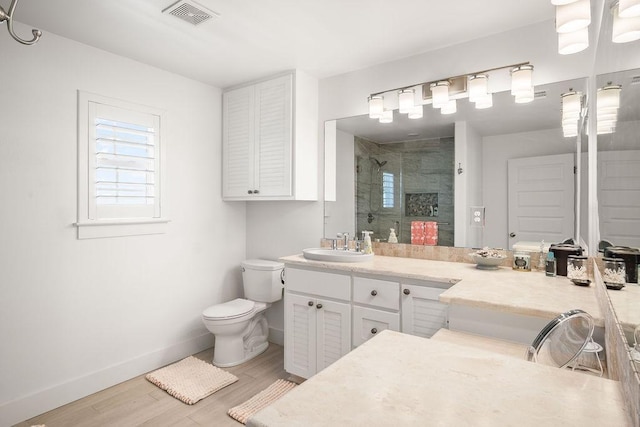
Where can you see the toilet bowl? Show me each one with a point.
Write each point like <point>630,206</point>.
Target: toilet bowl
<point>240,326</point>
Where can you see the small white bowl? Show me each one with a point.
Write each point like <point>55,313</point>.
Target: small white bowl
<point>487,263</point>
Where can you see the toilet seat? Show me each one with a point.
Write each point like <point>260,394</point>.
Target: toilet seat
<point>229,310</point>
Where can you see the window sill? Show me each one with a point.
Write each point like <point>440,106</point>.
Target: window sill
<point>95,229</point>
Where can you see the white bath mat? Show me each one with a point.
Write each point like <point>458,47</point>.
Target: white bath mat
<point>261,400</point>
<point>191,379</point>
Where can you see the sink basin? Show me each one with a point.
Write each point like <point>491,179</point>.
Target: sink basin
<point>323,254</point>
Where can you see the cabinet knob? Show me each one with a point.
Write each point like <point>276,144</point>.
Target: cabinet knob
<point>256,191</point>
<point>250,191</point>
<point>374,331</point>
<point>310,303</point>
<point>374,293</point>
<point>406,292</point>
<point>318,306</point>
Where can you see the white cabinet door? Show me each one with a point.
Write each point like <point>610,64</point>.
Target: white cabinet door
<point>238,131</point>
<point>273,127</point>
<point>333,332</point>
<point>300,335</point>
<point>367,322</point>
<point>422,313</point>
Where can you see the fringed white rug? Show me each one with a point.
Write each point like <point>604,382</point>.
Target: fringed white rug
<point>266,397</point>
<point>191,379</point>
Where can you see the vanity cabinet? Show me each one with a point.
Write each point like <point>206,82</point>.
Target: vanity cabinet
<point>317,320</point>
<point>422,312</point>
<point>269,140</point>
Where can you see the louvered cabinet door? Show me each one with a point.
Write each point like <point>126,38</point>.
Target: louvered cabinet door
<point>300,335</point>
<point>422,313</point>
<point>333,332</point>
<point>238,132</point>
<point>273,136</point>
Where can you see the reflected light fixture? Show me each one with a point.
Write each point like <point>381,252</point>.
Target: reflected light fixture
<point>571,108</point>
<point>573,16</point>
<point>485,102</point>
<point>521,81</point>
<point>607,104</point>
<point>625,29</point>
<point>477,86</point>
<point>450,108</point>
<point>376,106</point>
<point>440,92</point>
<point>386,117</point>
<point>573,42</point>
<point>405,101</point>
<point>629,8</point>
<point>416,112</point>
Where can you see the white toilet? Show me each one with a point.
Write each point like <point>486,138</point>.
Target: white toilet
<point>240,326</point>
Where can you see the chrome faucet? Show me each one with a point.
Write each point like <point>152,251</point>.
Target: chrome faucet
<point>345,240</point>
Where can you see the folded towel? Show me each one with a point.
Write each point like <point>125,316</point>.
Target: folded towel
<point>431,233</point>
<point>417,232</point>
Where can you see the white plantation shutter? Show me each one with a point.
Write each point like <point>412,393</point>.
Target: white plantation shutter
<point>124,165</point>
<point>120,161</point>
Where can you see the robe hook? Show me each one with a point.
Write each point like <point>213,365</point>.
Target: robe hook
<point>8,16</point>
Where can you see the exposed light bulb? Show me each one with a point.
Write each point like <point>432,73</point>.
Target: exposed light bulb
<point>405,101</point>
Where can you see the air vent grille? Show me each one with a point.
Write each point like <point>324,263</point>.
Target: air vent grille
<point>635,80</point>
<point>190,12</point>
<point>540,94</point>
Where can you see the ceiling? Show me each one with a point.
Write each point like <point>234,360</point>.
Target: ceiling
<point>255,38</point>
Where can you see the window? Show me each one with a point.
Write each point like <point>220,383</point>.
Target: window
<point>120,168</point>
<point>388,200</point>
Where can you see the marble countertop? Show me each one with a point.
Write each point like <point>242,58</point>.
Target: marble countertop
<point>399,379</point>
<point>528,293</point>
<point>625,304</point>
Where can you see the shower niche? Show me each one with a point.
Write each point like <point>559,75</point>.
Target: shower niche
<point>401,182</point>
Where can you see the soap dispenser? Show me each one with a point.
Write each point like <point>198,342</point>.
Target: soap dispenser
<point>368,247</point>
<point>392,236</point>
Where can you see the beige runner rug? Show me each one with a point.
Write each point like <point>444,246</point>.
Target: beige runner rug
<point>266,397</point>
<point>191,379</point>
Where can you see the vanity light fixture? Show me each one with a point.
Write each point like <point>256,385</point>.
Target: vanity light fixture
<point>478,86</point>
<point>571,108</point>
<point>444,93</point>
<point>629,8</point>
<point>521,83</point>
<point>440,91</point>
<point>607,104</point>
<point>405,101</point>
<point>376,106</point>
<point>573,16</point>
<point>625,29</point>
<point>386,117</point>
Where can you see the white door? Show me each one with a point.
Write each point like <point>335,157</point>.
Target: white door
<point>333,332</point>
<point>300,335</point>
<point>619,197</point>
<point>422,312</point>
<point>541,199</point>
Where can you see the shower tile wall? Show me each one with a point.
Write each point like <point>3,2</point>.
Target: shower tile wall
<point>418,167</point>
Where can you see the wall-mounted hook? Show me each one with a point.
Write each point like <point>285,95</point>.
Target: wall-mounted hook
<point>8,16</point>
<point>459,168</point>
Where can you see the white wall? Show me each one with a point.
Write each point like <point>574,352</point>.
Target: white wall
<point>468,189</point>
<point>340,216</point>
<point>77,316</point>
<point>496,150</point>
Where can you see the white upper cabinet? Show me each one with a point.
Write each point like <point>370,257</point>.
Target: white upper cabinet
<point>270,140</point>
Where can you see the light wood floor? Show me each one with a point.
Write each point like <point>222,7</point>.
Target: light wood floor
<point>137,402</point>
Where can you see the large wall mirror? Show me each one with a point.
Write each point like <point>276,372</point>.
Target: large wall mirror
<point>517,165</point>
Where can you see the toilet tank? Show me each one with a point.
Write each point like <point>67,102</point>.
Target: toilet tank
<point>262,280</point>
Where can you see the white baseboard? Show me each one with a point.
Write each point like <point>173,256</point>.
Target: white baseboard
<point>29,406</point>
<point>276,336</point>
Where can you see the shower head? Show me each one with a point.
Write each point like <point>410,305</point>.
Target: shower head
<point>378,162</point>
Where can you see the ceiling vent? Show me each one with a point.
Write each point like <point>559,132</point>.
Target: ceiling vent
<point>540,94</point>
<point>635,80</point>
<point>190,12</point>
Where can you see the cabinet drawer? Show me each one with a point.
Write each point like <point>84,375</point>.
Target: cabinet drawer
<point>367,322</point>
<point>318,283</point>
<point>378,293</point>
